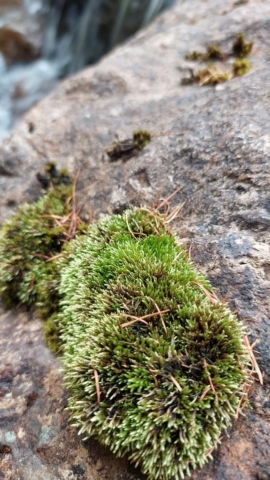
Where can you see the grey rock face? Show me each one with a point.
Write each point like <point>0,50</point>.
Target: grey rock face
<point>213,142</point>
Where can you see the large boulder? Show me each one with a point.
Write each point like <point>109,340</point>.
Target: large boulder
<point>213,142</point>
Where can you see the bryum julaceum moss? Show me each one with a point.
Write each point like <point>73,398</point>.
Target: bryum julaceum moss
<point>212,75</point>
<point>155,365</point>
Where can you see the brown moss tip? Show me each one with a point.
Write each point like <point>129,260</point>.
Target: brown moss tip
<point>241,48</point>
<point>240,67</point>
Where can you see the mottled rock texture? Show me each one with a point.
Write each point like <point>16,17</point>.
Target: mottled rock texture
<point>214,142</point>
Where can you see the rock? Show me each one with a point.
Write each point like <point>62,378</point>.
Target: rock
<point>21,30</point>
<point>213,142</point>
<point>15,47</point>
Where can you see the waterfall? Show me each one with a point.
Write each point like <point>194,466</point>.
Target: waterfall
<point>60,37</point>
<point>90,28</point>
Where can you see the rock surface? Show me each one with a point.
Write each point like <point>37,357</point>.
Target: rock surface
<point>214,143</point>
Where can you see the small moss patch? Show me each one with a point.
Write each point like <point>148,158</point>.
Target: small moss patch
<point>31,242</point>
<point>212,75</point>
<point>207,76</point>
<point>52,177</point>
<point>241,48</point>
<point>27,242</point>
<point>240,67</point>
<point>141,138</point>
<point>126,149</point>
<point>213,52</point>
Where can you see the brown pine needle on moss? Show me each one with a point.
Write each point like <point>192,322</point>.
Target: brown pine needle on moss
<point>209,294</point>
<point>253,359</point>
<point>206,390</point>
<point>97,385</point>
<point>179,388</point>
<point>142,319</point>
<point>174,214</point>
<point>166,201</point>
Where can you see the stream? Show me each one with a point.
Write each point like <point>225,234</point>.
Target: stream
<point>42,41</point>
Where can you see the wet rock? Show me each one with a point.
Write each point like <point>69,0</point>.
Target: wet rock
<point>213,142</point>
<point>15,47</point>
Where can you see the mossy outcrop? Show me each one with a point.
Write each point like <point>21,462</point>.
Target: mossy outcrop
<point>28,241</point>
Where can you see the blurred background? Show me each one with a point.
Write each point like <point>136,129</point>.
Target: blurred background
<point>42,41</point>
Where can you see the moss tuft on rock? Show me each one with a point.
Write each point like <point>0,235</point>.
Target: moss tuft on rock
<point>240,67</point>
<point>212,75</point>
<point>241,48</point>
<point>213,52</point>
<point>27,241</point>
<point>155,365</point>
<point>52,177</point>
<point>207,76</point>
<point>141,138</point>
<point>125,149</point>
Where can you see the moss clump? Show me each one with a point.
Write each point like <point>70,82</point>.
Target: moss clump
<point>27,241</point>
<point>126,149</point>
<point>141,138</point>
<point>155,365</point>
<point>207,76</point>
<point>53,177</point>
<point>213,52</point>
<point>212,75</point>
<point>241,48</point>
<point>240,67</point>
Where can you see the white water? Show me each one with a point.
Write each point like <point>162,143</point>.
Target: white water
<point>71,34</point>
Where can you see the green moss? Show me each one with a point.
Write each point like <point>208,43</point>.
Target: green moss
<point>241,48</point>
<point>213,52</point>
<point>155,366</point>
<point>27,241</point>
<point>195,56</point>
<point>212,75</point>
<point>126,149</point>
<point>207,76</point>
<point>53,176</point>
<point>52,333</point>
<point>240,67</point>
<point>141,138</point>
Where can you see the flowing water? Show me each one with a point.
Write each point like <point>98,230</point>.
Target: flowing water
<point>44,40</point>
